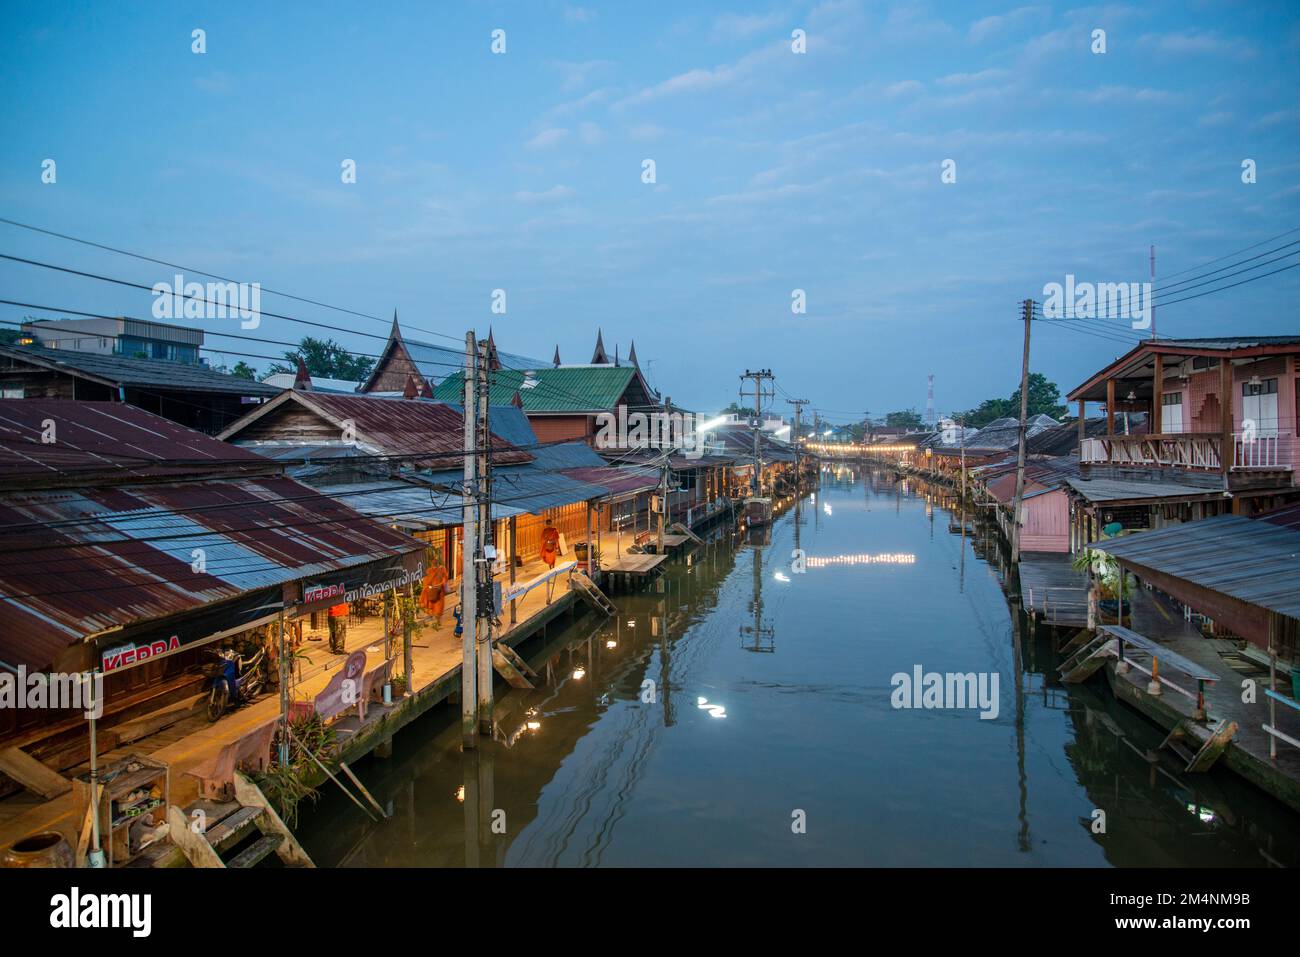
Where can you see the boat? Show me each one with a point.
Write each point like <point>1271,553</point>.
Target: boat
<point>758,510</point>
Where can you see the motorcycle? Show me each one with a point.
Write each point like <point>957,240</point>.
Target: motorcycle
<point>233,680</point>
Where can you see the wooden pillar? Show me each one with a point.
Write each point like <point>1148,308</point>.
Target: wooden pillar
<point>1225,417</point>
<point>514,552</point>
<point>1083,426</point>
<point>1156,425</point>
<point>1110,406</point>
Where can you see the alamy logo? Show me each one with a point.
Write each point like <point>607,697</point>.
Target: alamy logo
<point>658,430</point>
<point>79,690</point>
<point>932,690</point>
<point>1102,300</point>
<point>213,300</point>
<point>73,910</point>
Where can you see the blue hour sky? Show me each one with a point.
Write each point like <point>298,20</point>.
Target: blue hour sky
<point>774,170</point>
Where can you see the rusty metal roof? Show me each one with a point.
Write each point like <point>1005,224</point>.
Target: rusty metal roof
<point>57,441</point>
<point>430,432</point>
<point>1256,561</point>
<point>77,562</point>
<point>137,373</point>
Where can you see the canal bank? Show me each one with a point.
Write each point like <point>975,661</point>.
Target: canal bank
<point>795,677</point>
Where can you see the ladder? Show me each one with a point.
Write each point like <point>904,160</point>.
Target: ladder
<point>510,666</point>
<point>680,528</point>
<point>234,834</point>
<point>586,588</point>
<point>1081,665</point>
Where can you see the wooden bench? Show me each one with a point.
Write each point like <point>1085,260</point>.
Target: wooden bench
<point>342,692</point>
<point>251,752</point>
<point>372,685</point>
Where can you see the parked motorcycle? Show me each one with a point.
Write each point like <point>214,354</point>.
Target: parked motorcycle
<point>233,680</point>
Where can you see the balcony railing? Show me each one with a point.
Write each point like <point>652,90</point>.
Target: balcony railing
<point>1261,451</point>
<point>1189,450</point>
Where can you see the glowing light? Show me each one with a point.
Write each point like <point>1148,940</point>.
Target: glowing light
<point>711,424</point>
<point>631,622</point>
<point>827,508</point>
<point>533,725</point>
<point>460,794</point>
<point>714,710</point>
<point>885,558</point>
<point>611,644</point>
<point>781,577</point>
<point>579,674</point>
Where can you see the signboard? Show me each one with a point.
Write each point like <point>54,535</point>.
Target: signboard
<point>360,581</point>
<point>137,645</point>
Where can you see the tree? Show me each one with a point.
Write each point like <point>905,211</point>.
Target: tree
<point>1044,399</point>
<point>905,419</point>
<point>243,370</point>
<point>327,359</point>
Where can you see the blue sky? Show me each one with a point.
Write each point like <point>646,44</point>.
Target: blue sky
<point>775,171</point>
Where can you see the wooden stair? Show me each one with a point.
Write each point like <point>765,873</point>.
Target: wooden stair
<point>507,669</point>
<point>586,588</point>
<point>234,834</point>
<point>681,529</point>
<point>1081,665</point>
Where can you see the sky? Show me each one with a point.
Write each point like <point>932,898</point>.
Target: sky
<point>775,171</point>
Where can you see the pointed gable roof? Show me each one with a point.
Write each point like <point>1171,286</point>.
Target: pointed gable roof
<point>302,379</point>
<point>494,362</point>
<point>599,357</point>
<point>631,355</point>
<point>556,361</point>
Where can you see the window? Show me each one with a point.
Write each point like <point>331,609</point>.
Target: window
<point>1171,412</point>
<point>12,392</point>
<point>1259,403</point>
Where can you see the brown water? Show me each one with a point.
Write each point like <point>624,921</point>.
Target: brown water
<point>591,769</point>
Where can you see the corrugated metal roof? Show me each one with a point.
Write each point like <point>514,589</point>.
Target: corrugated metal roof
<point>389,426</point>
<point>155,373</point>
<point>567,455</point>
<point>1255,561</point>
<point>550,389</point>
<point>77,562</point>
<point>437,362</point>
<point>105,438</point>
<point>1236,342</point>
<point>1169,486</point>
<point>507,421</point>
<point>618,481</point>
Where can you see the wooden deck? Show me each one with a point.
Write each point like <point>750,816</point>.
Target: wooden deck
<point>638,565</point>
<point>1248,754</point>
<point>1052,590</point>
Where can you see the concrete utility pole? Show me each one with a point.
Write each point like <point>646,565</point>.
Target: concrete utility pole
<point>1020,450</point>
<point>469,545</point>
<point>961,428</point>
<point>485,605</point>
<point>798,474</point>
<point>663,478</point>
<point>758,377</point>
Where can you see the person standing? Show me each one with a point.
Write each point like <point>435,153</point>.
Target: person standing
<point>550,544</point>
<point>433,595</point>
<point>338,627</point>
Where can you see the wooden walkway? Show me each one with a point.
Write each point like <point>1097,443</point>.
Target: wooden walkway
<point>1162,622</point>
<point>1052,590</point>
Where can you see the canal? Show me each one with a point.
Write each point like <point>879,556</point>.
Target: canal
<point>741,711</point>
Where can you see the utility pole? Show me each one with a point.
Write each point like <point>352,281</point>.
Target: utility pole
<point>798,411</point>
<point>469,546</point>
<point>1020,449</point>
<point>1151,303</point>
<point>961,427</point>
<point>758,377</point>
<point>485,605</point>
<point>663,477</point>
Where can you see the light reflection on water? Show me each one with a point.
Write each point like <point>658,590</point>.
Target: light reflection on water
<point>741,692</point>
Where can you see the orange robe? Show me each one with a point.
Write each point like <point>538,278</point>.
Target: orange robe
<point>432,595</point>
<point>550,544</point>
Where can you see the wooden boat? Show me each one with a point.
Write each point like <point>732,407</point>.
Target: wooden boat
<point>758,510</point>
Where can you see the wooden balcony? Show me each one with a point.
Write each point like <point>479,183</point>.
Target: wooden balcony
<point>1200,451</point>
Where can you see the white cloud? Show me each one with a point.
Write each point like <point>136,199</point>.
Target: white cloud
<point>646,132</point>
<point>556,194</point>
<point>591,134</point>
<point>739,26</point>
<point>982,30</point>
<point>1195,43</point>
<point>547,138</point>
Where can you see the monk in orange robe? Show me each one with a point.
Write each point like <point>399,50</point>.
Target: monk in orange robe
<point>433,594</point>
<point>550,543</point>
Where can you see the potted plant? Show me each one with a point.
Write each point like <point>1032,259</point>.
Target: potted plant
<point>1113,586</point>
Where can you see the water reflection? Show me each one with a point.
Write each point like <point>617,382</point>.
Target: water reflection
<point>655,737</point>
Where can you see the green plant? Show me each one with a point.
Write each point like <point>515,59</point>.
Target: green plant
<point>1106,571</point>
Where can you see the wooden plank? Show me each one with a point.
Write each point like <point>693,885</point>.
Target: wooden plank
<point>256,852</point>
<point>32,774</point>
<point>165,718</point>
<point>508,671</point>
<point>1214,747</point>
<point>228,831</point>
<point>290,851</point>
<point>196,847</point>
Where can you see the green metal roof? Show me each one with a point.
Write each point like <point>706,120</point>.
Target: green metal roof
<point>549,389</point>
